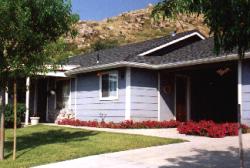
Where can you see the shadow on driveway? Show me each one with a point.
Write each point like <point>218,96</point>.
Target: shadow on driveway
<point>210,159</point>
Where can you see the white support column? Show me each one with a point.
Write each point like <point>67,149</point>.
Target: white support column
<point>27,103</point>
<point>128,94</point>
<point>75,97</point>
<point>241,151</point>
<point>7,96</point>
<point>159,96</point>
<point>240,84</point>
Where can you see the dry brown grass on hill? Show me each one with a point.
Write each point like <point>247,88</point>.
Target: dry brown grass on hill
<point>131,27</point>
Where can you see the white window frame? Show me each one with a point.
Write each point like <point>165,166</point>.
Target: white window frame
<point>117,86</point>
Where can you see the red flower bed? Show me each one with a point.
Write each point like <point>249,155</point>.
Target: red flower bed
<point>202,128</point>
<point>123,125</point>
<point>210,129</point>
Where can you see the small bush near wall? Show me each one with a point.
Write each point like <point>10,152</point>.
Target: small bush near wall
<point>210,129</point>
<point>9,116</point>
<point>122,125</point>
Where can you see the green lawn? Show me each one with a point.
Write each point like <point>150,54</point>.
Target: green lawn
<point>45,144</point>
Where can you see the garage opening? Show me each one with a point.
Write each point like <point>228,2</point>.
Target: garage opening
<point>214,93</point>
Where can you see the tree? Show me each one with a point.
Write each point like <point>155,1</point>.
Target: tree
<point>229,22</point>
<point>27,27</point>
<point>61,50</point>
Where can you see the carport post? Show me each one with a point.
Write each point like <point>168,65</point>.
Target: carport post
<point>27,101</point>
<point>241,152</point>
<point>7,96</point>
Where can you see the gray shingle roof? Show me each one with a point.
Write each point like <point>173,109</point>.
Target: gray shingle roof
<point>130,53</point>
<point>191,53</point>
<point>198,50</point>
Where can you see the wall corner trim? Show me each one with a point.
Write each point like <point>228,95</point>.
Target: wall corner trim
<point>75,103</point>
<point>128,94</point>
<point>159,96</point>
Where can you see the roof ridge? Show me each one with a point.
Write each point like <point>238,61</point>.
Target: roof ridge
<point>182,34</point>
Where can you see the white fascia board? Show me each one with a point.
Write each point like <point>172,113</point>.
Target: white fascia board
<point>63,67</point>
<point>69,67</point>
<point>172,42</point>
<point>54,74</point>
<point>94,68</point>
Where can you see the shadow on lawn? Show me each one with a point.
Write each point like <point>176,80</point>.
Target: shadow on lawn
<point>30,141</point>
<point>210,159</point>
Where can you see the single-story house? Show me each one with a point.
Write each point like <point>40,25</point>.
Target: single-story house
<point>174,77</point>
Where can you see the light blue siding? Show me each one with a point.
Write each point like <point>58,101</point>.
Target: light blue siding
<point>246,93</point>
<point>88,103</point>
<point>144,94</point>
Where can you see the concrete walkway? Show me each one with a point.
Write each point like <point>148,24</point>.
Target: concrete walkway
<point>199,152</point>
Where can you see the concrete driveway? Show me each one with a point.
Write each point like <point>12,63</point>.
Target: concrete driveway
<point>199,152</point>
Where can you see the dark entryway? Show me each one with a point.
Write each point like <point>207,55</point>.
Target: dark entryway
<point>214,94</point>
<point>42,98</point>
<point>206,92</point>
<point>181,98</point>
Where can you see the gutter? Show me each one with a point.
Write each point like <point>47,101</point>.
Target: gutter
<point>154,67</point>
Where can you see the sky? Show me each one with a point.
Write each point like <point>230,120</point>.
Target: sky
<point>101,9</point>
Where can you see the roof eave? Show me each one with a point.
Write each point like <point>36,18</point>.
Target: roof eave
<point>195,33</point>
<point>154,67</point>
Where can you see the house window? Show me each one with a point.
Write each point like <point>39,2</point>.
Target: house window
<point>109,86</point>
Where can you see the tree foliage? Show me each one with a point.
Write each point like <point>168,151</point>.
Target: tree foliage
<point>26,28</point>
<point>229,20</point>
<point>60,50</point>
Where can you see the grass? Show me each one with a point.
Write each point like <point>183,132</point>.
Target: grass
<point>42,144</point>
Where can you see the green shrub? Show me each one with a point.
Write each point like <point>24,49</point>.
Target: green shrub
<point>9,116</point>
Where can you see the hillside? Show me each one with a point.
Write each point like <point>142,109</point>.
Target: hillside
<point>130,27</point>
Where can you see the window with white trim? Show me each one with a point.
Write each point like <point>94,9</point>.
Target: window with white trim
<point>109,85</point>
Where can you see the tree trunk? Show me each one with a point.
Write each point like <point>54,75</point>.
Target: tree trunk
<point>15,116</point>
<point>2,132</point>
